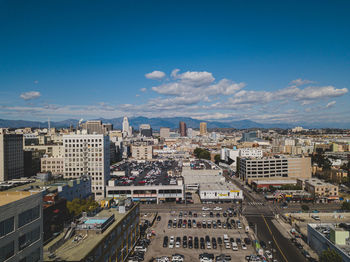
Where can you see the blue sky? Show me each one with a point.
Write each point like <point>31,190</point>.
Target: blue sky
<point>268,61</point>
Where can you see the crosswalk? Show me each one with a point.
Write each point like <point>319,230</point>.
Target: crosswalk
<point>255,203</point>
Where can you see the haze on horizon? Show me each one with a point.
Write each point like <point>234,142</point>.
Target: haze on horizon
<point>267,61</point>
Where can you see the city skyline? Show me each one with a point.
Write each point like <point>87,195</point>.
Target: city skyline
<point>267,62</point>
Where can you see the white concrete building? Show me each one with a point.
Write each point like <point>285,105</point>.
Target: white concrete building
<point>227,153</point>
<point>211,185</point>
<point>87,154</point>
<point>127,129</point>
<point>21,226</point>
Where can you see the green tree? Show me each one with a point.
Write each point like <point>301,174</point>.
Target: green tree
<point>330,255</point>
<point>217,159</point>
<point>305,208</point>
<point>201,153</point>
<point>77,206</point>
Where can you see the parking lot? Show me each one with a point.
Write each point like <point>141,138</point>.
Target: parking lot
<point>180,227</point>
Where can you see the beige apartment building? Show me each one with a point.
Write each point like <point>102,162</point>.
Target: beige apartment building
<point>142,152</point>
<point>11,156</point>
<point>318,188</point>
<point>54,165</point>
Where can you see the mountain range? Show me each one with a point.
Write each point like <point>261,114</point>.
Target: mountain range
<point>171,122</point>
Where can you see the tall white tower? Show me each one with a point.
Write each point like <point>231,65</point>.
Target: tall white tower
<point>126,127</point>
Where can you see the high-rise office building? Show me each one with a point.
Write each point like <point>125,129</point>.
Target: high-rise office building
<point>249,136</point>
<point>182,129</point>
<point>21,226</point>
<point>87,154</point>
<point>203,128</point>
<point>11,156</point>
<point>145,130</point>
<point>164,132</point>
<point>96,127</point>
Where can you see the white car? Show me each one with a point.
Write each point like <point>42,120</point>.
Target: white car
<point>217,208</point>
<point>268,254</point>
<point>244,247</point>
<point>205,208</point>
<point>234,246</point>
<point>227,245</point>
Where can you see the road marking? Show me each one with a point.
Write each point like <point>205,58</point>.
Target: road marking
<point>268,227</point>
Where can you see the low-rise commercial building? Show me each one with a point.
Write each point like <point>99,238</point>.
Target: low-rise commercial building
<point>21,226</point>
<point>319,188</point>
<point>110,235</point>
<point>211,185</point>
<point>167,191</point>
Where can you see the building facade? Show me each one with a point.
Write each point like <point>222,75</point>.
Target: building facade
<point>318,188</point>
<point>87,154</point>
<point>11,156</point>
<point>21,226</point>
<point>274,168</point>
<point>164,132</point>
<point>142,152</point>
<point>52,164</point>
<point>182,129</point>
<point>203,128</point>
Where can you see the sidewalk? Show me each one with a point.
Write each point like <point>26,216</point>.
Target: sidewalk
<point>285,229</point>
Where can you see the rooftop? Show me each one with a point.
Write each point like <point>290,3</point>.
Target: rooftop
<point>9,197</point>
<point>268,182</point>
<point>81,244</point>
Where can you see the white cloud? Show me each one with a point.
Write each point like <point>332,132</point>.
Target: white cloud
<point>331,104</point>
<point>194,78</point>
<point>156,75</point>
<point>300,82</point>
<point>224,87</point>
<point>314,92</point>
<point>143,89</point>
<point>30,95</point>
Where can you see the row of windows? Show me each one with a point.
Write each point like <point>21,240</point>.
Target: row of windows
<point>77,145</point>
<point>7,226</point>
<point>28,216</point>
<point>28,238</point>
<point>82,140</point>
<point>52,162</point>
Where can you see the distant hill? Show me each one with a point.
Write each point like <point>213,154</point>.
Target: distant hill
<point>171,122</point>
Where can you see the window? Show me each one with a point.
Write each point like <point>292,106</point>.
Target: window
<point>28,238</point>
<point>7,251</point>
<point>6,226</point>
<point>28,216</point>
